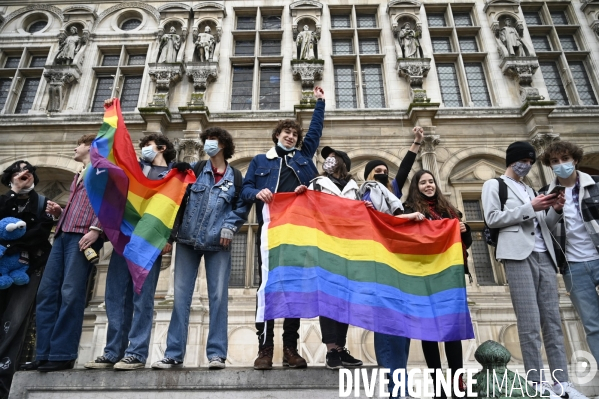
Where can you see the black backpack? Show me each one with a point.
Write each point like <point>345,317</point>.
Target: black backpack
<point>489,233</point>
<point>237,179</point>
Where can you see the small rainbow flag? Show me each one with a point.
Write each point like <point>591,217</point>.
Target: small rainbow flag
<point>136,213</point>
<point>329,256</point>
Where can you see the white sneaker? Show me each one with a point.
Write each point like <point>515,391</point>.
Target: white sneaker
<point>167,363</point>
<point>567,391</point>
<point>545,391</point>
<point>216,363</point>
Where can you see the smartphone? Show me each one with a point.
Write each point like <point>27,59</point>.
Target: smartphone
<point>557,189</point>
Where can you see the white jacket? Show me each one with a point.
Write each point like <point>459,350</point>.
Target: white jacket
<point>350,190</point>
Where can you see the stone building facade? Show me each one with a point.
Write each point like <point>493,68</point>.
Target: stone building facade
<point>479,75</point>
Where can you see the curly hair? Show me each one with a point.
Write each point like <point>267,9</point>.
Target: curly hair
<point>223,138</point>
<point>291,124</point>
<point>418,203</point>
<point>560,148</point>
<point>86,139</point>
<point>160,140</point>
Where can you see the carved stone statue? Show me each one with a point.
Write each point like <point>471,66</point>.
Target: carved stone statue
<point>306,43</point>
<point>68,47</point>
<point>510,38</point>
<point>205,45</point>
<point>169,46</point>
<point>408,40</point>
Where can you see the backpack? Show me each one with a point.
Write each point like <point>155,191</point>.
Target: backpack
<point>237,179</point>
<point>489,233</point>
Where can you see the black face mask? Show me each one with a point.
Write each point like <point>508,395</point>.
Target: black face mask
<point>382,178</point>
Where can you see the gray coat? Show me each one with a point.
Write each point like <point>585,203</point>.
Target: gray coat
<point>516,239</point>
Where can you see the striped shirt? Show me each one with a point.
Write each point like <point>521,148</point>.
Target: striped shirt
<point>78,215</point>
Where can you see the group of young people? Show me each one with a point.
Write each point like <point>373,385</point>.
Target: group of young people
<point>216,206</point>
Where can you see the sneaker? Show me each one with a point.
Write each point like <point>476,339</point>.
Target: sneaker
<point>129,363</point>
<point>292,359</point>
<point>264,359</point>
<point>545,391</point>
<point>348,360</point>
<point>333,360</point>
<point>101,362</point>
<point>216,363</point>
<point>167,363</point>
<point>567,391</point>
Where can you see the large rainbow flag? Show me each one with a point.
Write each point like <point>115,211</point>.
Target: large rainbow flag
<point>136,213</point>
<point>328,256</point>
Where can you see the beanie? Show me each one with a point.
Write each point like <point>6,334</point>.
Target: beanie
<point>371,165</point>
<point>518,151</point>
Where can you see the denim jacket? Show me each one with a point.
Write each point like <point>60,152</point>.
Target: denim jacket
<point>264,170</point>
<point>209,209</point>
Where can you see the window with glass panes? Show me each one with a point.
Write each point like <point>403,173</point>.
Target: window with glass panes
<point>340,21</point>
<point>130,92</point>
<point>37,26</point>
<point>20,99</point>
<point>568,43</point>
<point>12,62</point>
<point>103,91</point>
<point>345,86</point>
<point>540,43</point>
<point>137,59</point>
<point>559,18</point>
<point>449,85</point>
<point>374,92</point>
<point>366,20</point>
<point>468,44</point>
<point>246,23</point>
<point>532,18</point>
<point>369,46</point>
<point>342,46</point>
<point>27,95</point>
<point>436,19</point>
<point>583,83</point>
<point>441,45</point>
<point>553,82</point>
<point>462,19</point>
<point>4,86</point>
<point>131,24</point>
<point>111,59</point>
<point>481,258</point>
<point>241,95</point>
<point>244,47</point>
<point>477,84</point>
<point>270,88</point>
<point>271,22</point>
<point>271,47</point>
<point>38,61</point>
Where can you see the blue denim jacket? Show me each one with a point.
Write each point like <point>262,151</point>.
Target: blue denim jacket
<point>209,209</point>
<point>264,169</point>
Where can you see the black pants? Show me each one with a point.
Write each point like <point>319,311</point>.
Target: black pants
<point>333,332</point>
<point>453,351</point>
<point>18,303</point>
<point>290,326</point>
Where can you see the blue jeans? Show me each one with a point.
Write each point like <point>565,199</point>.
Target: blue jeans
<point>129,314</point>
<point>392,353</point>
<point>581,280</point>
<point>61,299</point>
<point>218,270</point>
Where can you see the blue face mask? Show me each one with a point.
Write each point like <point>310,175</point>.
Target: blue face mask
<point>211,147</point>
<point>285,148</point>
<point>563,170</point>
<point>148,154</point>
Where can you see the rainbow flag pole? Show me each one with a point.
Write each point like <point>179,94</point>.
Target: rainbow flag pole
<point>328,256</point>
<point>136,213</point>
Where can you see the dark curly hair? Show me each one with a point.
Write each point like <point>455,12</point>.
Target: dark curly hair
<point>223,138</point>
<point>160,140</point>
<point>15,167</point>
<point>560,148</point>
<point>291,124</point>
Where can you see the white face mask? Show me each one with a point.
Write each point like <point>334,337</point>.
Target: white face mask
<point>329,165</point>
<point>148,153</point>
<point>26,189</point>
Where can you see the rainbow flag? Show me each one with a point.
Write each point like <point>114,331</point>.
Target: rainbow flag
<point>136,213</point>
<point>329,256</point>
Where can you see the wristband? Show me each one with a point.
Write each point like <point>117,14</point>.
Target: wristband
<point>415,142</point>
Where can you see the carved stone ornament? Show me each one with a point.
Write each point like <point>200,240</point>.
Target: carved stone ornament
<point>188,150</point>
<point>595,26</point>
<point>521,69</point>
<point>165,76</point>
<point>429,143</point>
<point>60,78</point>
<point>201,74</point>
<point>307,73</point>
<point>543,140</point>
<point>414,70</point>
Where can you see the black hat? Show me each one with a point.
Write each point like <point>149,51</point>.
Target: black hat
<point>373,164</point>
<point>326,151</point>
<point>15,167</point>
<point>518,151</point>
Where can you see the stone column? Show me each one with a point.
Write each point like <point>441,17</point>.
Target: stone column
<point>428,156</point>
<point>541,141</point>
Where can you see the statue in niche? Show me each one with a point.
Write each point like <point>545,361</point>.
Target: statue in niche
<point>205,45</point>
<point>68,47</point>
<point>306,44</point>
<point>169,46</point>
<point>409,43</point>
<point>511,40</point>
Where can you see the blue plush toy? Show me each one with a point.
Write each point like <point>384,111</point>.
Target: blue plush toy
<point>11,270</point>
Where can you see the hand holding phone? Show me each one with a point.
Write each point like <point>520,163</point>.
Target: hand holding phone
<point>557,190</point>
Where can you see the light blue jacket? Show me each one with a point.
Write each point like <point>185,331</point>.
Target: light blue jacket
<point>210,209</point>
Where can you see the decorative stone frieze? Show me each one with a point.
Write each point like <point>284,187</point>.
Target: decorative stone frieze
<point>165,76</point>
<point>60,78</point>
<point>188,150</point>
<point>201,74</point>
<point>542,140</point>
<point>307,72</point>
<point>521,70</point>
<point>414,70</point>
